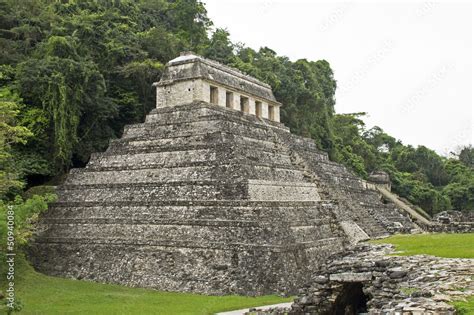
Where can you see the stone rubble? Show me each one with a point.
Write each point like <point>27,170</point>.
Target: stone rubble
<point>403,285</point>
<point>453,222</point>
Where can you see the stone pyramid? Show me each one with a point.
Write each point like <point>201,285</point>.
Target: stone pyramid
<point>211,194</point>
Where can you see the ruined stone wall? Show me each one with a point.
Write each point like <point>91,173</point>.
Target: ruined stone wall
<point>179,93</point>
<point>367,280</point>
<point>453,222</point>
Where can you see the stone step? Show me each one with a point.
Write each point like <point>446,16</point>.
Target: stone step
<point>257,233</point>
<point>204,125</point>
<point>220,133</point>
<point>175,190</point>
<point>215,140</point>
<point>142,233</point>
<point>229,203</point>
<point>331,242</point>
<point>147,161</point>
<point>180,114</point>
<point>190,157</point>
<point>294,214</point>
<point>304,146</point>
<point>299,225</point>
<point>185,173</point>
<point>183,156</point>
<point>223,189</point>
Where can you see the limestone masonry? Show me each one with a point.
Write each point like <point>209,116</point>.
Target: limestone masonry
<point>192,78</point>
<point>366,280</point>
<point>210,194</point>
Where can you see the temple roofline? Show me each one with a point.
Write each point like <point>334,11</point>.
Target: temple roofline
<point>189,57</point>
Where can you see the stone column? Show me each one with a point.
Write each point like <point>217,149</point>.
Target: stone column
<point>205,92</point>
<point>277,113</point>
<point>236,101</point>
<point>160,96</point>
<point>221,97</point>
<point>265,110</point>
<point>198,90</point>
<point>251,106</point>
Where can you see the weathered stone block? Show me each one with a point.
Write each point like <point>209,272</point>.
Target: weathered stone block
<point>351,277</point>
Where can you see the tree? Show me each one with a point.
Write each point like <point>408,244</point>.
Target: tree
<point>65,89</point>
<point>220,47</point>
<point>466,155</point>
<point>421,159</point>
<point>10,134</point>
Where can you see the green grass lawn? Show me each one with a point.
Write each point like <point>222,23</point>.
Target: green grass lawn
<point>465,308</point>
<point>41,294</point>
<point>441,245</point>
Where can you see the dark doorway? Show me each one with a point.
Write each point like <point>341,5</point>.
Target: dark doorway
<point>351,300</point>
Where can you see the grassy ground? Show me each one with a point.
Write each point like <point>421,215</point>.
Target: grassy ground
<point>441,245</point>
<point>41,294</point>
<point>465,308</point>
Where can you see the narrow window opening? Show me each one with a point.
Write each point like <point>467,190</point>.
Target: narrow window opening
<point>258,109</point>
<point>214,96</point>
<point>244,104</point>
<point>229,99</point>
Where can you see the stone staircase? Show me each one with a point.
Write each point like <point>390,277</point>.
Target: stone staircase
<point>357,203</point>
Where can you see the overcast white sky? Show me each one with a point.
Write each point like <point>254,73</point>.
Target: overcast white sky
<point>407,64</point>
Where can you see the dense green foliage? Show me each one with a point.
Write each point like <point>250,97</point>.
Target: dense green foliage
<point>73,73</point>
<point>419,174</point>
<point>26,214</point>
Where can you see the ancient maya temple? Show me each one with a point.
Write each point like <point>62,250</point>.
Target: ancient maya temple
<point>211,194</point>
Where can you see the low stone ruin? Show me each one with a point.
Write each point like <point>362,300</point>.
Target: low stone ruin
<point>366,280</point>
<point>380,178</point>
<point>453,222</point>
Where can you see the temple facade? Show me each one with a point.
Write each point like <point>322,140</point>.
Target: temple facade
<point>192,78</point>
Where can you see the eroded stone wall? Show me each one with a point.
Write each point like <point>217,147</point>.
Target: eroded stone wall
<point>390,284</point>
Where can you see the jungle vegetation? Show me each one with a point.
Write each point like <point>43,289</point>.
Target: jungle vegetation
<point>73,73</point>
